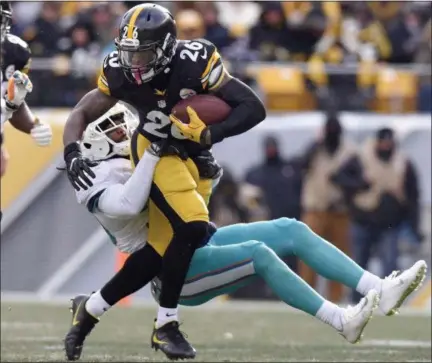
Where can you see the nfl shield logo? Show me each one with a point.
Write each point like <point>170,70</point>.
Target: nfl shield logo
<point>161,104</point>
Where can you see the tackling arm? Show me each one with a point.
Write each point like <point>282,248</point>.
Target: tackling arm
<point>129,199</point>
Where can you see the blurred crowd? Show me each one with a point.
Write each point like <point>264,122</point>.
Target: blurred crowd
<point>361,197</point>
<point>79,34</point>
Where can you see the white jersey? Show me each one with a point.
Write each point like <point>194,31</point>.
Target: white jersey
<point>111,202</point>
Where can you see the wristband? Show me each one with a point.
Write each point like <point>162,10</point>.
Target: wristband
<point>72,147</point>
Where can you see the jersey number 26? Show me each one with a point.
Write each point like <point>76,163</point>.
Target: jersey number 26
<point>193,51</point>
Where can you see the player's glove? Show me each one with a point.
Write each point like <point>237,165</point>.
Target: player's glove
<point>41,133</point>
<point>196,130</point>
<point>19,85</point>
<point>207,166</point>
<point>166,147</point>
<point>78,168</point>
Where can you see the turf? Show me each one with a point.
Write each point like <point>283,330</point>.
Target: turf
<point>225,333</point>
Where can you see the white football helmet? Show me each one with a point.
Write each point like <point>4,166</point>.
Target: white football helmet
<point>97,145</point>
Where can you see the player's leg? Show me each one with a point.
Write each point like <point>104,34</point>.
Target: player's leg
<point>178,223</point>
<point>288,236</point>
<point>218,270</point>
<point>139,268</point>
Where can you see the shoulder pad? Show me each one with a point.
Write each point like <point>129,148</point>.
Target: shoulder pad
<point>201,61</point>
<point>112,77</point>
<point>17,55</point>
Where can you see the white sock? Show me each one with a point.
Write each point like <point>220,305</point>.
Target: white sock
<point>166,315</point>
<point>96,305</point>
<point>368,282</point>
<point>331,314</point>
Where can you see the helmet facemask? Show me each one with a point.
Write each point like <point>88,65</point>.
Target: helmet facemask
<point>141,63</point>
<point>109,135</point>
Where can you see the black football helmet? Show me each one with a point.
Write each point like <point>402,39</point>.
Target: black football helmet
<point>147,41</point>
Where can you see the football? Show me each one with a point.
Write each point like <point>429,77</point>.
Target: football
<point>210,109</point>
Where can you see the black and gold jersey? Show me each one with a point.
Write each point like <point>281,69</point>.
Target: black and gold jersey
<point>196,68</point>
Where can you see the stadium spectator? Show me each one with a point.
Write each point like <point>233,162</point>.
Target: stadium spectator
<point>45,34</point>
<point>381,183</point>
<point>190,24</point>
<point>269,37</point>
<point>215,32</point>
<point>385,11</point>
<point>229,15</point>
<point>307,23</point>
<point>423,56</point>
<point>405,36</point>
<point>83,49</point>
<point>324,206</point>
<point>369,35</point>
<point>279,179</point>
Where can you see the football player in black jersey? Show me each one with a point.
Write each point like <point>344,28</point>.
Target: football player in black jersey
<point>15,56</point>
<point>152,71</point>
<point>14,61</point>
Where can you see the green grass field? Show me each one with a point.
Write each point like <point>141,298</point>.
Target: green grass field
<point>227,332</point>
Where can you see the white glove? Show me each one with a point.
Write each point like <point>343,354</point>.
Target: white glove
<point>41,133</point>
<point>19,85</point>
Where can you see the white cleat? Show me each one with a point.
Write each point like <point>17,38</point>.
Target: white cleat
<point>396,288</point>
<point>355,318</point>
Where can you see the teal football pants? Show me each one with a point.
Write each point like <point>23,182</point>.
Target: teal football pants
<point>237,254</point>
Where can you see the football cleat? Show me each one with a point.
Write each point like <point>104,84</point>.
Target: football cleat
<point>397,287</point>
<point>82,325</point>
<point>172,342</point>
<point>355,318</point>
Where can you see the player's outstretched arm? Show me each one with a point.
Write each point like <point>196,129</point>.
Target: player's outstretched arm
<point>93,105</point>
<point>129,199</point>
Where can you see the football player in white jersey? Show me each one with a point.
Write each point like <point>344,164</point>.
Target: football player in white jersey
<point>232,257</point>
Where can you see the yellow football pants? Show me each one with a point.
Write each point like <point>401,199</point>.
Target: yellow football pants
<point>177,195</point>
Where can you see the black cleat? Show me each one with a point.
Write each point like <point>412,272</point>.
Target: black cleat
<point>172,342</point>
<point>82,325</point>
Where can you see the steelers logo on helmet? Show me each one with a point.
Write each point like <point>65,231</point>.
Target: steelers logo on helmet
<point>147,42</point>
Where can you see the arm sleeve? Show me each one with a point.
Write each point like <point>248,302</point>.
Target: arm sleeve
<point>129,199</point>
<point>247,110</point>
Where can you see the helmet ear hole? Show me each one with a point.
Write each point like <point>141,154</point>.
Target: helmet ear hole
<point>87,145</point>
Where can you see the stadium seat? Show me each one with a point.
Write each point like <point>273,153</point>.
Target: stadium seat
<point>396,91</point>
<point>284,89</point>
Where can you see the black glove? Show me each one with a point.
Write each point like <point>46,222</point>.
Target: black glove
<point>207,165</point>
<point>78,168</point>
<point>167,147</point>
